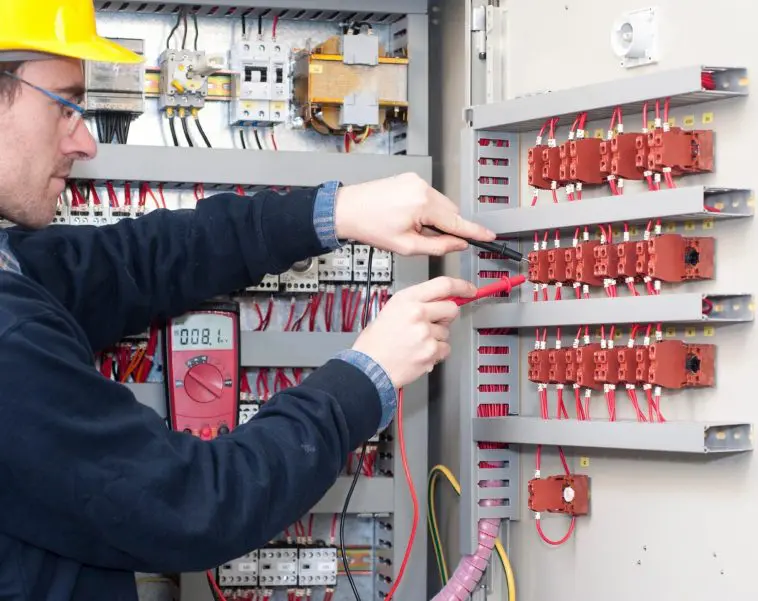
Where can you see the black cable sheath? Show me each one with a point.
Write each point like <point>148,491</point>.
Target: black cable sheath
<point>202,133</point>
<point>197,29</point>
<point>242,138</point>
<point>173,31</point>
<point>258,139</point>
<point>186,132</point>
<point>184,18</point>
<point>362,457</point>
<point>173,131</point>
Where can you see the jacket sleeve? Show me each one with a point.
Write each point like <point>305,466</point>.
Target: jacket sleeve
<point>118,279</point>
<point>107,484</point>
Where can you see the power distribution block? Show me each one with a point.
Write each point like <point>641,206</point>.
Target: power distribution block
<point>116,87</point>
<point>381,264</point>
<point>120,213</point>
<point>269,283</point>
<point>317,567</point>
<point>184,78</point>
<point>337,266</point>
<point>301,277</point>
<point>536,162</point>
<point>278,567</point>
<point>240,572</point>
<point>674,364</point>
<point>62,214</point>
<point>261,83</point>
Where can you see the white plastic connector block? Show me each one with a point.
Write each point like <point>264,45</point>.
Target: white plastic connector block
<point>381,265</point>
<point>301,277</point>
<point>317,567</point>
<point>337,266</point>
<point>278,567</point>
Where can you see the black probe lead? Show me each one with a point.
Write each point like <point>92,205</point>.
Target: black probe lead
<point>362,457</point>
<point>494,247</point>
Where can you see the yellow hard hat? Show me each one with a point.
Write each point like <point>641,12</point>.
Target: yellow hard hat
<point>58,27</point>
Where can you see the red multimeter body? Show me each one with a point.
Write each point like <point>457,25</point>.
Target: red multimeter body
<point>202,370</point>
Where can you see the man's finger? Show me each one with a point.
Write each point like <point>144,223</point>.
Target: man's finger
<point>440,333</point>
<point>442,201</point>
<point>440,289</point>
<point>437,245</point>
<point>454,224</point>
<point>441,311</point>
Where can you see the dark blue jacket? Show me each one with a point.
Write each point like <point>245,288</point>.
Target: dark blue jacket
<point>93,485</point>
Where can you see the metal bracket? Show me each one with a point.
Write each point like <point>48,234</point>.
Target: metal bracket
<point>361,108</point>
<point>360,49</point>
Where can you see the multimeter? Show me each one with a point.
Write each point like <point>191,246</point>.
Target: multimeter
<point>202,370</point>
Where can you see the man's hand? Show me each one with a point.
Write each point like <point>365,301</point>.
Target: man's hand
<point>410,335</point>
<point>390,214</point>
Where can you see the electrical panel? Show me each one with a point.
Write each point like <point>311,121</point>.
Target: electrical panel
<point>184,78</point>
<point>116,88</point>
<point>261,82</point>
<point>355,101</point>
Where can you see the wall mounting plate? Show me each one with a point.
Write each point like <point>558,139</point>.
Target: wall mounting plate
<point>634,37</point>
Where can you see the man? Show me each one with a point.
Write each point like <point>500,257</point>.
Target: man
<point>94,486</point>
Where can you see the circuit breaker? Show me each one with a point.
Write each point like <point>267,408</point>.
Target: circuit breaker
<point>184,78</point>
<point>261,83</point>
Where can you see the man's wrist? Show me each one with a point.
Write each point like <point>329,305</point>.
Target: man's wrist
<point>325,215</point>
<point>376,373</point>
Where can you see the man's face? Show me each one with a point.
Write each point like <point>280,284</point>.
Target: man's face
<point>37,150</point>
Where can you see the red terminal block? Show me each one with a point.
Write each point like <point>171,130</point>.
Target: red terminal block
<point>681,151</point>
<point>557,365</point>
<point>607,366</point>
<point>556,261</point>
<point>626,256</point>
<point>551,164</point>
<point>606,261</point>
<point>580,264</point>
<point>619,157</point>
<point>539,367</point>
<point>536,168</point>
<point>569,494</point>
<point>674,364</point>
<point>674,258</point>
<point>642,149</point>
<point>539,267</point>
<point>642,258</point>
<point>627,365</point>
<point>580,366</point>
<point>583,161</point>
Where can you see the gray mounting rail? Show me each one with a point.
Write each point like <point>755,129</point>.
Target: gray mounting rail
<point>664,308</point>
<point>226,168</point>
<point>381,11</point>
<point>670,437</point>
<point>292,349</point>
<point>683,86</point>
<point>693,203</point>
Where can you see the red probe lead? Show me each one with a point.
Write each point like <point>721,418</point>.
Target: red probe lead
<point>502,285</point>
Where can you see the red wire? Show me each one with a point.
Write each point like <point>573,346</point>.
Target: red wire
<point>414,499</point>
<point>273,28</point>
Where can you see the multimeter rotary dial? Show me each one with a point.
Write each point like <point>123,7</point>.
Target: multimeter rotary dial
<point>204,383</point>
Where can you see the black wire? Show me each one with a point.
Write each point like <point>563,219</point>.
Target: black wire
<point>202,133</point>
<point>186,132</point>
<point>176,26</point>
<point>362,457</point>
<point>197,29</point>
<point>242,138</point>
<point>173,131</point>
<point>260,24</point>
<point>184,39</point>
<point>258,139</point>
<point>244,26</point>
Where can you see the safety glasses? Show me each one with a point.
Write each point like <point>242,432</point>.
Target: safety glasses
<point>71,111</point>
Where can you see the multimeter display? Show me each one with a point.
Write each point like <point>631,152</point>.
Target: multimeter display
<point>202,370</point>
<point>202,331</point>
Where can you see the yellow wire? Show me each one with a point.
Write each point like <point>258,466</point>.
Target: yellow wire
<point>506,563</point>
<point>432,518</point>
